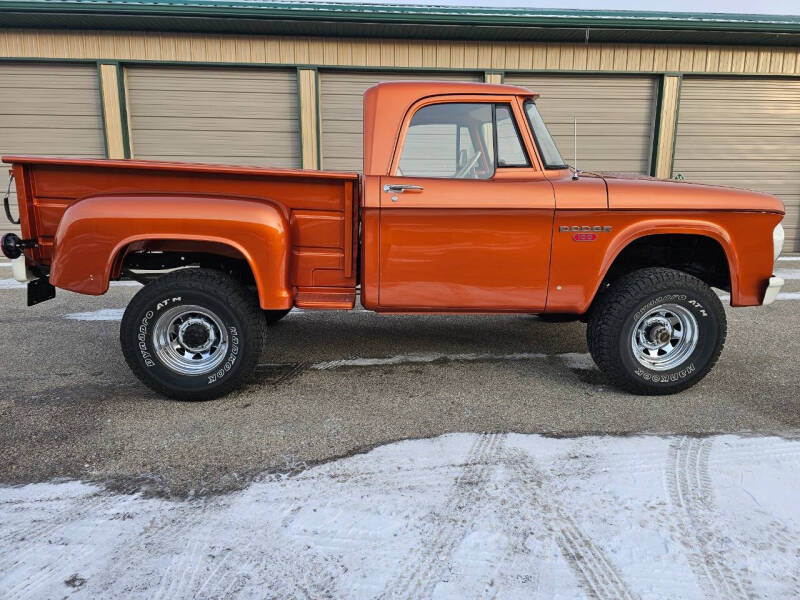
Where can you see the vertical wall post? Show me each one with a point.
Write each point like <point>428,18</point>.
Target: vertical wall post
<point>493,77</point>
<point>666,126</point>
<point>115,120</point>
<point>308,99</point>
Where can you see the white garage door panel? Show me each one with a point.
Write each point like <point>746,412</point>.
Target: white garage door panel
<point>341,106</point>
<point>615,118</point>
<point>743,132</point>
<point>221,115</point>
<point>48,109</point>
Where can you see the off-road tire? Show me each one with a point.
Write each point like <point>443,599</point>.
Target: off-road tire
<point>613,318</point>
<point>235,307</point>
<point>273,316</point>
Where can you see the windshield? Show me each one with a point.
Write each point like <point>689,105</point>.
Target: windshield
<point>551,157</point>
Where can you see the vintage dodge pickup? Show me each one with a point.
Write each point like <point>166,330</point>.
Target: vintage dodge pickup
<point>465,206</point>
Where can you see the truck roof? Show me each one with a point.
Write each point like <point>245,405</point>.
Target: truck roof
<point>419,89</point>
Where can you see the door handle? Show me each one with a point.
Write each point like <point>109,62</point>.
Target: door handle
<point>397,188</point>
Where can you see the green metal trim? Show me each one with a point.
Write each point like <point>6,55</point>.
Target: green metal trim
<point>319,119</point>
<point>102,107</point>
<point>123,112</point>
<point>299,115</point>
<point>657,125</point>
<point>28,59</point>
<point>675,130</point>
<point>323,67</point>
<point>650,73</point>
<point>341,12</point>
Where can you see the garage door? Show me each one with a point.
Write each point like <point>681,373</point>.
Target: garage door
<point>48,109</point>
<point>745,133</point>
<point>615,118</point>
<point>221,115</point>
<point>341,111</point>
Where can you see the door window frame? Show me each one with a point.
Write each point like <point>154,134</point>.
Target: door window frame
<point>522,127</point>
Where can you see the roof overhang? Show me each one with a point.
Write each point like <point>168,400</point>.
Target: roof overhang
<point>402,21</point>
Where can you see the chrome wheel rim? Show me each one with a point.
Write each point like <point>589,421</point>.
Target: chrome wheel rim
<point>664,337</point>
<point>190,340</point>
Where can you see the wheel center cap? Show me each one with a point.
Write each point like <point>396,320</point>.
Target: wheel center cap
<point>657,333</point>
<point>661,335</point>
<point>196,335</point>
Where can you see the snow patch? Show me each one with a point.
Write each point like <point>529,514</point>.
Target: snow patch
<point>13,284</point>
<point>458,516</point>
<point>573,360</point>
<point>788,273</point>
<point>582,361</point>
<point>104,314</point>
<point>780,296</point>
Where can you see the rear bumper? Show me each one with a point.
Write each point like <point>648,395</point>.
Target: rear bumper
<point>773,287</point>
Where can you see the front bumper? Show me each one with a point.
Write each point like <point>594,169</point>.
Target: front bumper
<point>773,287</point>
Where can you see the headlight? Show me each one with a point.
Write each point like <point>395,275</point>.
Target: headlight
<point>778,237</point>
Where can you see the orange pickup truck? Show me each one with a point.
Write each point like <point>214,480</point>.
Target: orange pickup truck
<point>465,206</point>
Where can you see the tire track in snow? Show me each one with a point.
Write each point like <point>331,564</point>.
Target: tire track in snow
<point>46,575</point>
<point>421,570</point>
<point>688,485</point>
<point>48,529</point>
<point>594,570</point>
<point>184,565</point>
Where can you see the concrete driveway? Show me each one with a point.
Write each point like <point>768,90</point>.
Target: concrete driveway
<point>334,384</point>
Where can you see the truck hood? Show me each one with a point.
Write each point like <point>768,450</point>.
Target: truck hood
<point>640,192</point>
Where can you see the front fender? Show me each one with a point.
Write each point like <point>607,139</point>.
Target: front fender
<point>95,230</point>
<point>688,226</point>
<point>578,267</point>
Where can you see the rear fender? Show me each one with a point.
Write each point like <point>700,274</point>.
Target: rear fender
<point>95,232</point>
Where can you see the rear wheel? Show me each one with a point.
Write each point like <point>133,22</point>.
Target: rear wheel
<point>657,331</point>
<point>194,334</point>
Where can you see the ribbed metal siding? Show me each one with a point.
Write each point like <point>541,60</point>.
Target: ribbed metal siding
<point>743,132</point>
<point>215,115</point>
<point>48,109</point>
<point>341,106</point>
<point>615,117</point>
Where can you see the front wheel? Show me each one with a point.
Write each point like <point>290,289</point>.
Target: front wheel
<point>194,334</point>
<point>657,331</point>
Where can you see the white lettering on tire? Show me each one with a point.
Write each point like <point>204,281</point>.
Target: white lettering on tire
<point>230,360</point>
<point>142,337</point>
<point>666,378</point>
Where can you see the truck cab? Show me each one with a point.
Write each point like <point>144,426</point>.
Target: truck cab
<point>465,204</point>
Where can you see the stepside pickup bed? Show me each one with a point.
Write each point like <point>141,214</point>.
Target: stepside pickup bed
<point>465,205</point>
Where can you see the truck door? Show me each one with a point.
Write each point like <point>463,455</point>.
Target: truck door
<point>465,217</point>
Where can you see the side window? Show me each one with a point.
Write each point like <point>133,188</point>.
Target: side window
<point>509,146</point>
<point>449,140</point>
<point>457,141</point>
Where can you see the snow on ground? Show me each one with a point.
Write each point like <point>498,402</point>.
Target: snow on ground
<point>13,284</point>
<point>459,516</point>
<point>104,314</point>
